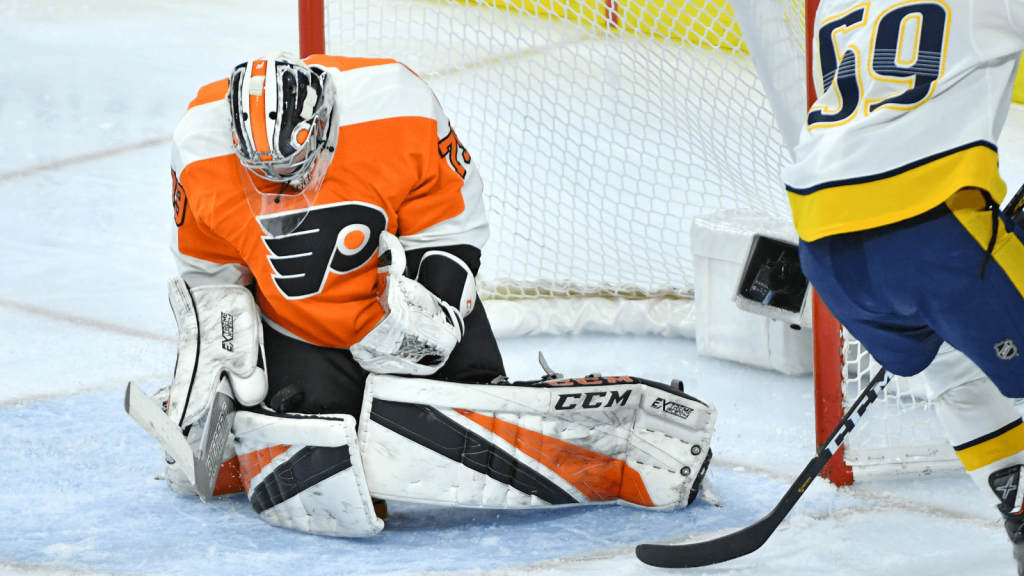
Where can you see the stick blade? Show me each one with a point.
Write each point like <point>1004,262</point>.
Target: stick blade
<point>714,551</point>
<point>694,555</point>
<point>216,436</point>
<point>153,420</point>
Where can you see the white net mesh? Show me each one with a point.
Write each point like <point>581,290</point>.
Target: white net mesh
<point>601,128</point>
<point>900,433</point>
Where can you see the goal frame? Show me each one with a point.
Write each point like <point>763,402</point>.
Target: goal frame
<point>828,342</point>
<point>828,356</point>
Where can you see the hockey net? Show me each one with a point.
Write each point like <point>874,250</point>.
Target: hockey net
<point>901,434</point>
<point>602,128</point>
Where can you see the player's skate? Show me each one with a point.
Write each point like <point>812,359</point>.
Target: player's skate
<point>1006,485</point>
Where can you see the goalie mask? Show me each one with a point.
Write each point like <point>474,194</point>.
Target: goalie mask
<point>280,124</point>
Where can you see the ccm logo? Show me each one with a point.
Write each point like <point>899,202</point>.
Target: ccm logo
<point>591,400</point>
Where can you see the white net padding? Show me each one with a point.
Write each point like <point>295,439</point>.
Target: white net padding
<point>600,128</point>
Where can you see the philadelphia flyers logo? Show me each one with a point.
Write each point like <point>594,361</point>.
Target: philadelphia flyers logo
<point>451,149</point>
<point>338,238</point>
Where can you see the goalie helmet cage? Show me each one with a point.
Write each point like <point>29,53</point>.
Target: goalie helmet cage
<point>602,128</point>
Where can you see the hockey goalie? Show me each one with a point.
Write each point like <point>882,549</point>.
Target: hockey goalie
<point>328,231</point>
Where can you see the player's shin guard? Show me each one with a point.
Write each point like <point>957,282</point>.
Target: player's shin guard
<point>304,473</point>
<point>571,441</point>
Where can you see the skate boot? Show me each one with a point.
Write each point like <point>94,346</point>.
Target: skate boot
<point>1006,485</point>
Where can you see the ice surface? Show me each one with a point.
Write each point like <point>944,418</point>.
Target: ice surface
<point>83,310</point>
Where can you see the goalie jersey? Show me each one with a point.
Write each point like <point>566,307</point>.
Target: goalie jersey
<point>911,97</point>
<point>398,166</point>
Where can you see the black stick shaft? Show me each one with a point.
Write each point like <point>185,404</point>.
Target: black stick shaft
<point>752,537</point>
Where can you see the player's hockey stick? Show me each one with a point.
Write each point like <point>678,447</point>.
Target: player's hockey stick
<point>201,469</point>
<point>754,536</point>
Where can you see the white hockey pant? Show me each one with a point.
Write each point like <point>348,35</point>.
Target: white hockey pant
<point>983,426</point>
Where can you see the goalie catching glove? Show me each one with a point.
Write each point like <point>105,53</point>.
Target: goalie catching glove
<point>419,330</point>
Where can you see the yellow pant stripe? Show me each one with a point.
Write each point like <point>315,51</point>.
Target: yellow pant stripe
<point>1003,446</point>
<point>967,206</point>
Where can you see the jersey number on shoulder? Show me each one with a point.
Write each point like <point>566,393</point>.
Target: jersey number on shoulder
<point>907,48</point>
<point>339,238</point>
<point>179,199</point>
<point>451,149</point>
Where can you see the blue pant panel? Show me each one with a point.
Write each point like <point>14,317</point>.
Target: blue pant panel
<point>904,289</point>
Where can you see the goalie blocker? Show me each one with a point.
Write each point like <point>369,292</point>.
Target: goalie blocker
<point>220,355</point>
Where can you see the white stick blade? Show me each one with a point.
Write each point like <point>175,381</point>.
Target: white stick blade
<point>147,414</point>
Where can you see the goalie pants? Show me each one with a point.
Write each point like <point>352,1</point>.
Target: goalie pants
<point>310,379</point>
<point>905,288</point>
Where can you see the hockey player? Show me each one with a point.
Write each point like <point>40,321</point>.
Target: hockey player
<point>895,192</point>
<point>336,191</point>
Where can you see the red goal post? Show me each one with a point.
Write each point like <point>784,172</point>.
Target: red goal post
<point>311,27</point>
<point>828,344</point>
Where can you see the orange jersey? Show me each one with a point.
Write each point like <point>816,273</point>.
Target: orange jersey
<point>398,166</point>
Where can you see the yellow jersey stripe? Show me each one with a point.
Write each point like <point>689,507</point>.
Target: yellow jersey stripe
<point>864,203</point>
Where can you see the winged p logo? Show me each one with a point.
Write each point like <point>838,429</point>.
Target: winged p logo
<point>338,238</point>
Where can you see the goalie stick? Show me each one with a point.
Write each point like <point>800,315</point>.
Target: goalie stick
<point>201,469</point>
<point>754,536</point>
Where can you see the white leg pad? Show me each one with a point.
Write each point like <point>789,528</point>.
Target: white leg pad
<point>574,441</point>
<point>305,473</point>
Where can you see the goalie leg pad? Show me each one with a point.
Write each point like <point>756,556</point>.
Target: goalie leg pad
<point>588,440</point>
<point>304,473</point>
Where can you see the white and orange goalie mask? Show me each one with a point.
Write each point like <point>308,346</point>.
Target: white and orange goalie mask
<point>280,123</point>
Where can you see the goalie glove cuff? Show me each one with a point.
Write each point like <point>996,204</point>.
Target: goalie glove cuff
<point>448,277</point>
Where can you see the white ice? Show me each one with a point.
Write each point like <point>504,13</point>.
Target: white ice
<point>83,311</point>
